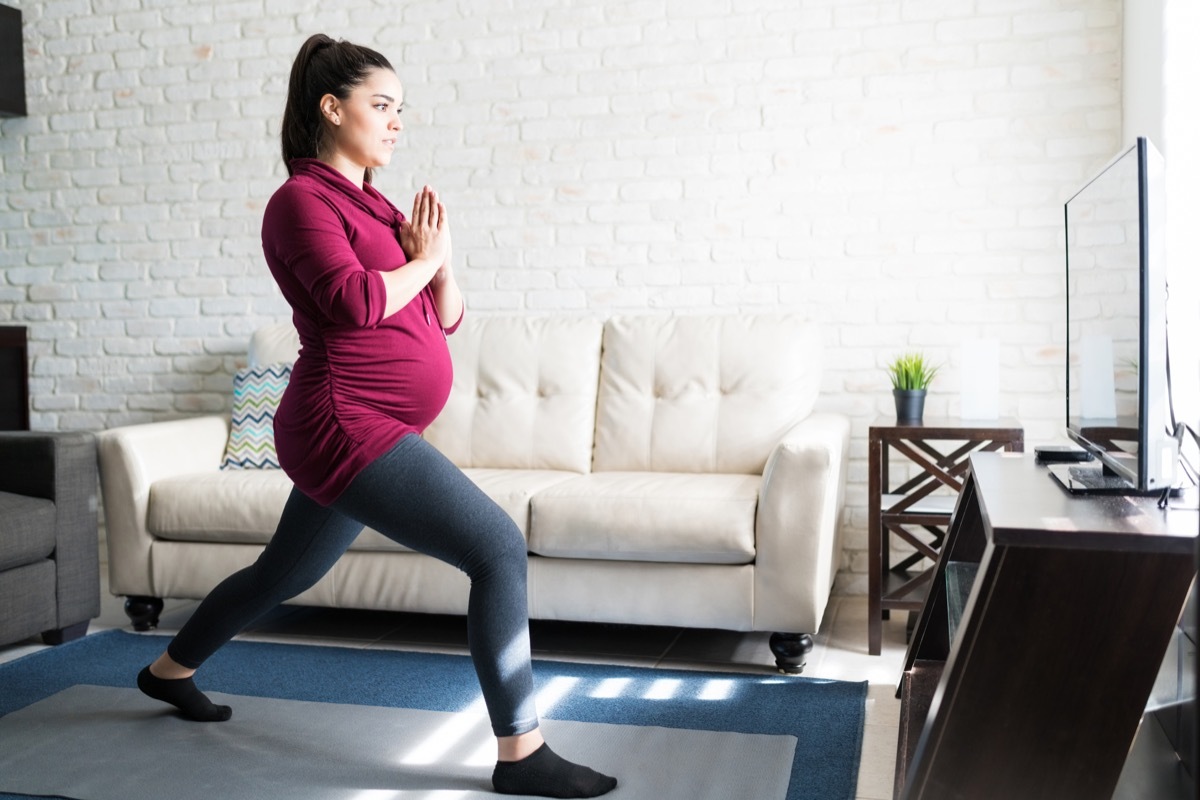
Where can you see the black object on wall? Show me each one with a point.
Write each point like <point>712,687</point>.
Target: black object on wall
<point>14,378</point>
<point>12,64</point>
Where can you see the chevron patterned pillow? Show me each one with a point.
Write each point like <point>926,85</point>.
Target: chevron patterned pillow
<point>256,394</point>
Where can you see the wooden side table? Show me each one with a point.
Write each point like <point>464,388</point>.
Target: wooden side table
<point>940,449</point>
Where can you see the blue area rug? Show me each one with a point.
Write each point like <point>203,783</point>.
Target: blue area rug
<point>826,716</point>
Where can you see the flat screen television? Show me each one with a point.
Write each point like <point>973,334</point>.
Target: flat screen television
<point>1118,383</point>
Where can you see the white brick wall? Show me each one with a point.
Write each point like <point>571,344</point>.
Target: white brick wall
<point>894,170</point>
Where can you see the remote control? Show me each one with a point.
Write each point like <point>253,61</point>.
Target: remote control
<point>1057,454</point>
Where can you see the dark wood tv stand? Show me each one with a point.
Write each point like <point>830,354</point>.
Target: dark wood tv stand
<point>1039,643</point>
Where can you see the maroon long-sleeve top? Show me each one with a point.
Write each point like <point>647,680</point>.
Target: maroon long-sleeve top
<point>362,381</point>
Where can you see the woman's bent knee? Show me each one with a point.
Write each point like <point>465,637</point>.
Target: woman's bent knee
<point>502,551</point>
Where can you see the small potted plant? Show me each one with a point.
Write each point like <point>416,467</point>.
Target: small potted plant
<point>911,375</point>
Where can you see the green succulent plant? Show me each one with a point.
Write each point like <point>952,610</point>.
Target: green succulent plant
<point>911,371</point>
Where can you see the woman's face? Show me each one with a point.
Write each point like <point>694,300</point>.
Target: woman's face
<point>364,127</point>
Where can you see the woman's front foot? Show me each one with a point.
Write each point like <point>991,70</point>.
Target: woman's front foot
<point>546,774</point>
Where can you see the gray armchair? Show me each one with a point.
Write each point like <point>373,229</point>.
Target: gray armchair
<point>49,548</point>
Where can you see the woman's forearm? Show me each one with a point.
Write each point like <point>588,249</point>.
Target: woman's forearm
<point>404,283</point>
<point>448,297</point>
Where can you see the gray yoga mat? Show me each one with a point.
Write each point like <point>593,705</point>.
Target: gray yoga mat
<point>105,743</point>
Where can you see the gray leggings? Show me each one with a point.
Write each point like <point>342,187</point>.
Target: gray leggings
<point>413,495</point>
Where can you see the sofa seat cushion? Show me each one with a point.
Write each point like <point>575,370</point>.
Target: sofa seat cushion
<point>648,516</point>
<point>244,506</point>
<point>229,506</point>
<point>28,531</point>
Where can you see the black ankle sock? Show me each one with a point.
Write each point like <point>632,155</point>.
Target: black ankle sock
<point>545,774</point>
<point>184,695</point>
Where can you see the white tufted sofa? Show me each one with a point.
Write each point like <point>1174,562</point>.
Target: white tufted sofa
<point>665,470</point>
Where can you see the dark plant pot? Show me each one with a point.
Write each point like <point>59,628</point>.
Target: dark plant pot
<point>910,404</point>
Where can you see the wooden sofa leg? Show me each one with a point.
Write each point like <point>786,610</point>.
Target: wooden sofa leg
<point>791,650</point>
<point>67,634</point>
<point>143,611</point>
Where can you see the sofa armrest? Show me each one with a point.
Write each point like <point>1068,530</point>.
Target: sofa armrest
<point>61,466</point>
<point>797,534</point>
<point>132,458</point>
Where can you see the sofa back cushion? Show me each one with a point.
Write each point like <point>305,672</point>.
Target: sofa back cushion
<point>524,393</point>
<point>702,393</point>
<point>274,344</point>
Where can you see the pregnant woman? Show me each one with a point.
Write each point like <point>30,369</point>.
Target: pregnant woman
<point>373,297</point>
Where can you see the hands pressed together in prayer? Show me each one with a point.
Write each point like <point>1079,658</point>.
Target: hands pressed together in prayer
<point>425,239</point>
<point>426,234</point>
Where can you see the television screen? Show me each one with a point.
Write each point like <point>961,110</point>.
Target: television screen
<point>1117,391</point>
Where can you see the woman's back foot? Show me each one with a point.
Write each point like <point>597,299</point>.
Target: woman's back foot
<point>183,694</point>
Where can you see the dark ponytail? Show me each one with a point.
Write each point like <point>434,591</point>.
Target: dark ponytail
<point>323,66</point>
